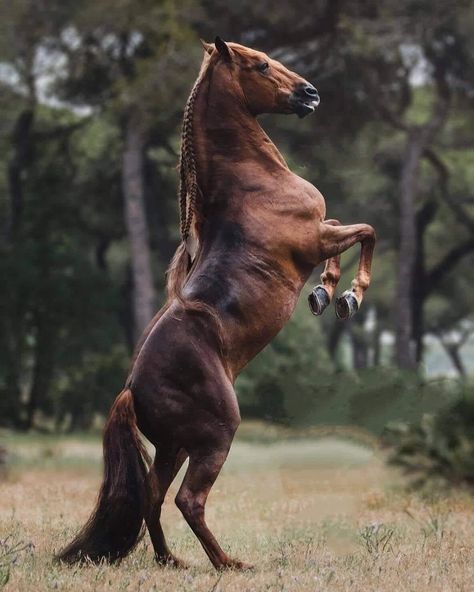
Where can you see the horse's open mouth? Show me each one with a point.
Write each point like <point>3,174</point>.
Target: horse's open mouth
<point>303,107</point>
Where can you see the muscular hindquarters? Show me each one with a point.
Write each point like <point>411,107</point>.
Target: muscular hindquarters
<point>183,397</point>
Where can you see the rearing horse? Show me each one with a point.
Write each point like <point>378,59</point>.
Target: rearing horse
<point>253,231</point>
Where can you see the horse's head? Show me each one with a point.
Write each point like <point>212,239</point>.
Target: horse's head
<point>266,85</point>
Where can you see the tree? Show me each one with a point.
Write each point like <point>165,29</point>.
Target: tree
<point>25,30</point>
<point>436,40</point>
<point>122,59</point>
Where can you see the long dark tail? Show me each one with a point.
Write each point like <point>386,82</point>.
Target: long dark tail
<point>116,523</point>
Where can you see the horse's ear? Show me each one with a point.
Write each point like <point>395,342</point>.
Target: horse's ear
<point>223,49</point>
<point>208,47</point>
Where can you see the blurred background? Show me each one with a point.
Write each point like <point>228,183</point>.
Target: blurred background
<point>91,101</point>
<point>92,97</point>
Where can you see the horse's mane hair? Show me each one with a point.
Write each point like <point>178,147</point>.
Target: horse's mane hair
<point>189,190</point>
<point>188,193</point>
<point>188,184</point>
<point>189,202</point>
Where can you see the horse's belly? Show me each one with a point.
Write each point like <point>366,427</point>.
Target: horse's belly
<point>264,319</point>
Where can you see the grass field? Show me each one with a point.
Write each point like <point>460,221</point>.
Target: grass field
<point>310,514</point>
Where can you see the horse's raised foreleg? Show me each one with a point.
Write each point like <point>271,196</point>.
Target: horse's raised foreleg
<point>160,477</point>
<point>322,294</point>
<point>337,239</point>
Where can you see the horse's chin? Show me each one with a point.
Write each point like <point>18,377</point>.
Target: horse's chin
<point>304,108</point>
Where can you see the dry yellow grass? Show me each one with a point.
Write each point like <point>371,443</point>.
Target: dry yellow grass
<point>311,515</point>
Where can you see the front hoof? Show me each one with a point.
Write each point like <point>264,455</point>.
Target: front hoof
<point>346,305</point>
<point>318,300</point>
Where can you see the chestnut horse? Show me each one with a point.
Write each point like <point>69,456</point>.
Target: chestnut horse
<point>253,232</point>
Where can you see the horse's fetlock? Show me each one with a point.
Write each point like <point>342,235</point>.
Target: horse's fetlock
<point>331,277</point>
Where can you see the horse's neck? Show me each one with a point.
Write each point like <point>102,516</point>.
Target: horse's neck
<point>227,135</point>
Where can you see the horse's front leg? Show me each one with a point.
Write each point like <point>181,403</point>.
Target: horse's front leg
<point>334,240</point>
<point>322,294</point>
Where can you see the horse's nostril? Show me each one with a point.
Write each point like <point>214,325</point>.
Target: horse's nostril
<point>311,90</point>
<point>306,89</point>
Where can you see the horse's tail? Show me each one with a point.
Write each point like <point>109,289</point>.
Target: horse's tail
<point>116,524</point>
<point>178,271</point>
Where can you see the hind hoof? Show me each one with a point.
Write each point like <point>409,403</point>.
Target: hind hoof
<point>171,561</point>
<point>346,305</point>
<point>236,565</point>
<point>318,300</point>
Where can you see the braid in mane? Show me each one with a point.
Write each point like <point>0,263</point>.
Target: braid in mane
<point>187,194</point>
<point>188,187</point>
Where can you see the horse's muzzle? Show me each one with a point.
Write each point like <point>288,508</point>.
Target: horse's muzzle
<point>304,99</point>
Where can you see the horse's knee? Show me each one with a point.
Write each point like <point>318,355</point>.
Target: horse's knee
<point>189,505</point>
<point>183,502</point>
<point>370,233</point>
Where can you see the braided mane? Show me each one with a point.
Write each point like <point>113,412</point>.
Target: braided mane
<point>188,193</point>
<point>188,185</point>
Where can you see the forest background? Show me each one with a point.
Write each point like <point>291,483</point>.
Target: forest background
<point>91,101</point>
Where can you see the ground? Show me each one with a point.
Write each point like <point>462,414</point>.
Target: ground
<point>312,514</point>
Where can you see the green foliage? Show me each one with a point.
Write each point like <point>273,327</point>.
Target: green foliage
<point>65,321</point>
<point>300,388</point>
<point>440,446</point>
<point>59,307</point>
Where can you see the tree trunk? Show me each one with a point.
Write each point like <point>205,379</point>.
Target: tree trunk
<point>377,346</point>
<point>135,217</point>
<point>159,221</point>
<point>21,158</point>
<point>43,364</point>
<point>22,145</point>
<point>10,398</point>
<point>424,217</point>
<point>360,349</point>
<point>404,348</point>
<point>334,336</point>
<point>454,354</point>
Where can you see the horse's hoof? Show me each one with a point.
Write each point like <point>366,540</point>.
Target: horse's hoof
<point>233,564</point>
<point>171,561</point>
<point>318,300</point>
<point>346,305</point>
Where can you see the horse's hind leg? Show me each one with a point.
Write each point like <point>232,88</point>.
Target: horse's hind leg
<point>204,467</point>
<point>160,477</point>
<point>321,295</point>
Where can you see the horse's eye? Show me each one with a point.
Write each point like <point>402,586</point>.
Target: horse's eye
<point>263,67</point>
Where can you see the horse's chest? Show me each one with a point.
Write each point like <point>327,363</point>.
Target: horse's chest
<point>297,217</point>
